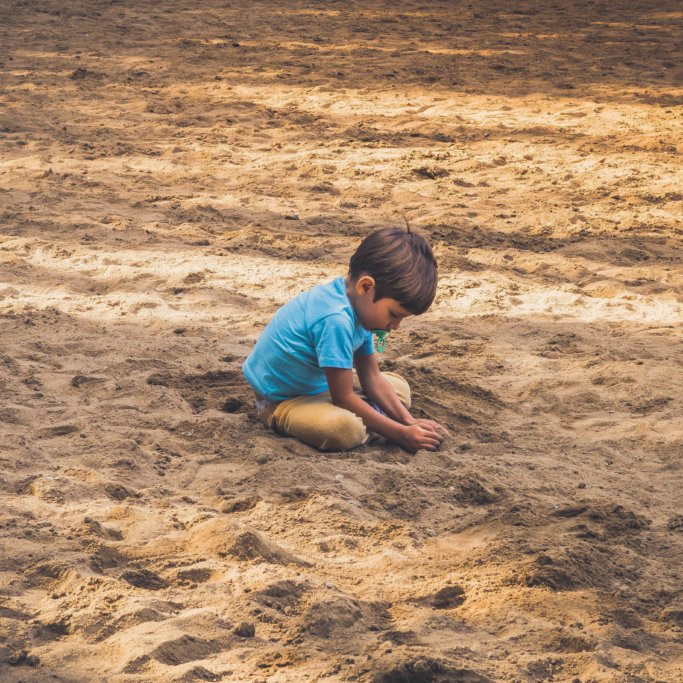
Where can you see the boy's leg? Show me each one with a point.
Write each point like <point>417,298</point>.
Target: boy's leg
<point>318,422</point>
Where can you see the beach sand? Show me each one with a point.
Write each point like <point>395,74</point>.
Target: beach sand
<point>171,173</point>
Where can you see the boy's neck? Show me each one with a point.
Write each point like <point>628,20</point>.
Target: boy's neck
<point>350,290</point>
<point>352,295</point>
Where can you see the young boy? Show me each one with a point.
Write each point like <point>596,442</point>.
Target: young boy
<point>302,365</point>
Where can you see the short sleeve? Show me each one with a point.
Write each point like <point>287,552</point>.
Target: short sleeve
<point>333,341</point>
<point>367,348</point>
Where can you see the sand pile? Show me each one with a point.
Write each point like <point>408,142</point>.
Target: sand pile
<point>171,173</point>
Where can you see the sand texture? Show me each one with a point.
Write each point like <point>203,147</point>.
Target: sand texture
<point>172,172</point>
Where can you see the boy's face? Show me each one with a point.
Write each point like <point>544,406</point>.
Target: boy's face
<point>383,314</point>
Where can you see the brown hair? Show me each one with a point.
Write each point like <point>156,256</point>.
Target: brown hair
<point>402,265</point>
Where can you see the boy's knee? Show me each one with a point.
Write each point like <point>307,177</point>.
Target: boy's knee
<point>401,387</point>
<point>320,424</point>
<point>342,432</point>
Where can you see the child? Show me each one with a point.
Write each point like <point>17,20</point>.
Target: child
<point>302,365</point>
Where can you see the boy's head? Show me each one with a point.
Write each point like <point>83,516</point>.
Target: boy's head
<point>397,265</point>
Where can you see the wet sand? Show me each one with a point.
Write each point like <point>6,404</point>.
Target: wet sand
<point>171,173</point>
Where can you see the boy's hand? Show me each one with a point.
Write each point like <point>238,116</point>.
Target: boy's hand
<point>398,426</point>
<point>428,424</point>
<point>420,436</point>
<point>434,426</point>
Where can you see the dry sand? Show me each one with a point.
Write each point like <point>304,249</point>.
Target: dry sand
<point>172,172</point>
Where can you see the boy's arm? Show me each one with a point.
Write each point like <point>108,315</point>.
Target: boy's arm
<point>380,391</point>
<point>412,437</point>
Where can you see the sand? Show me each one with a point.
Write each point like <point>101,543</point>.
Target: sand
<point>172,172</point>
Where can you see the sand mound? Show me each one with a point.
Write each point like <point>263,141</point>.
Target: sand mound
<point>171,174</point>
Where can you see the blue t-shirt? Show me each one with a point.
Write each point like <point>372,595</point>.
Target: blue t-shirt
<point>317,329</point>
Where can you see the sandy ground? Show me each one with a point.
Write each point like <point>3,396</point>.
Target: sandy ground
<point>172,172</point>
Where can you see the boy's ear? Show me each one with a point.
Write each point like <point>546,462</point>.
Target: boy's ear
<point>365,284</point>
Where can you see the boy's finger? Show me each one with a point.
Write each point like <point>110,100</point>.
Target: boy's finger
<point>434,441</point>
<point>442,429</point>
<point>438,434</point>
<point>431,433</point>
<point>432,426</point>
<point>436,427</point>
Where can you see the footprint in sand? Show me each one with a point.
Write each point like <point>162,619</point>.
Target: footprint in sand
<point>185,649</point>
<point>143,578</point>
<point>59,430</point>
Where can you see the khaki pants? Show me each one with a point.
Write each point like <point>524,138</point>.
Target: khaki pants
<point>319,423</point>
